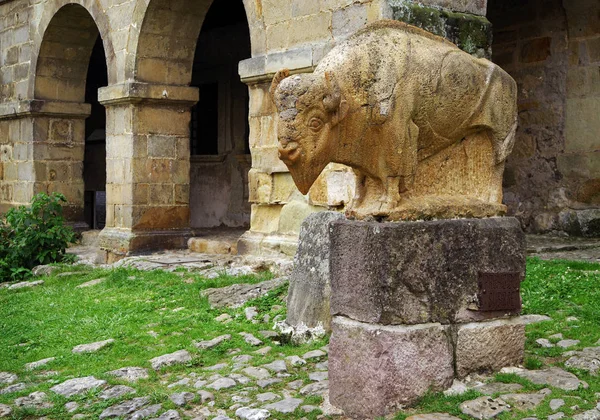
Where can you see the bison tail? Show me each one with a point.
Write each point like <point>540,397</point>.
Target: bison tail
<point>505,146</point>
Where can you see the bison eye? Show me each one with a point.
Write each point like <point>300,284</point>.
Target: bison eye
<point>315,124</point>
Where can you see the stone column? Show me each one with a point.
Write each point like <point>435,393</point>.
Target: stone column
<point>148,167</point>
<point>42,147</point>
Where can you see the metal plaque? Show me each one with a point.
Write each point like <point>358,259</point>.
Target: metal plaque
<point>499,292</point>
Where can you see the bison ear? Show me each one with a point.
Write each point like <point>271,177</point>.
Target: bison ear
<point>279,76</point>
<point>332,95</point>
<point>340,113</point>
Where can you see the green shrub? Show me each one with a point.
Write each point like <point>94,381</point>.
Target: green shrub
<point>33,235</point>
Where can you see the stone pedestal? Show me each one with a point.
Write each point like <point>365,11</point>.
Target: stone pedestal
<point>411,307</point>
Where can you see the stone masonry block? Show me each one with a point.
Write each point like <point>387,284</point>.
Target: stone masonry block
<point>266,159</point>
<point>349,20</point>
<point>180,172</point>
<point>278,36</point>
<point>293,214</point>
<point>275,11</point>
<point>309,293</point>
<point>25,171</point>
<point>374,369</point>
<point>61,131</point>
<point>489,346</point>
<point>299,58</point>
<point>303,7</point>
<point>582,124</point>
<point>14,131</point>
<point>284,190</point>
<point>153,70</point>
<point>261,185</point>
<point>470,32</point>
<point>338,4</point>
<point>161,194</point>
<point>333,188</point>
<point>260,100</point>
<point>250,67</point>
<point>163,120</point>
<point>157,218</point>
<point>419,272</point>
<point>161,147</point>
<point>265,218</point>
<point>311,28</point>
<point>263,131</point>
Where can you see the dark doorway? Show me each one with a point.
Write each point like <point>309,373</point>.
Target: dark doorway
<point>219,130</point>
<point>94,165</point>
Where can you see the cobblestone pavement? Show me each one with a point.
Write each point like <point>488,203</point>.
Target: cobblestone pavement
<point>299,383</point>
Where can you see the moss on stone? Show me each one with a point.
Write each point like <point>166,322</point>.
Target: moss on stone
<point>469,32</point>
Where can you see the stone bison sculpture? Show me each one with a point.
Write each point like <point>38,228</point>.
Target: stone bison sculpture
<point>425,126</point>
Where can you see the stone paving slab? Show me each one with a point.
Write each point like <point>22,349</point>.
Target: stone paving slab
<point>563,248</point>
<point>77,386</point>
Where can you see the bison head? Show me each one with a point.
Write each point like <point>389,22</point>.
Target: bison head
<point>310,107</point>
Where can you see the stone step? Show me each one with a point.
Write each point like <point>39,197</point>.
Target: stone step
<point>216,241</point>
<point>546,243</point>
<point>90,238</point>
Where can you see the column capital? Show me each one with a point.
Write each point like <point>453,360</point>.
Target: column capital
<point>41,107</point>
<point>135,92</point>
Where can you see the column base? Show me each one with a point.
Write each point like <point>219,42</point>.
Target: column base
<point>118,243</point>
<point>276,245</point>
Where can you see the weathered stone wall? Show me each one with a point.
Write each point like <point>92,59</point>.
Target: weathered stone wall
<point>550,48</point>
<point>463,22</point>
<point>580,163</point>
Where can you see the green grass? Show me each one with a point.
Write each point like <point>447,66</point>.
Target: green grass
<point>48,321</point>
<point>130,306</point>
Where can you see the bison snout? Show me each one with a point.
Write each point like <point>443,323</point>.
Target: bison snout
<point>289,151</point>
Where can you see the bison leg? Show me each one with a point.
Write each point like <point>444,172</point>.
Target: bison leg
<point>402,182</point>
<point>359,194</point>
<point>393,186</point>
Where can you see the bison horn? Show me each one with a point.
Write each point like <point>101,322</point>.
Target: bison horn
<point>279,76</point>
<point>333,95</point>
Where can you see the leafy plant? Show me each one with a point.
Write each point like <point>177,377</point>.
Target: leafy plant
<point>33,235</point>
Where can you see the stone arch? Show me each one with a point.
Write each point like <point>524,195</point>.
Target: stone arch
<point>163,50</point>
<point>66,39</point>
<point>64,42</point>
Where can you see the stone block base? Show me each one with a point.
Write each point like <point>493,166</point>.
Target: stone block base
<point>420,272</point>
<point>489,346</point>
<point>417,304</point>
<point>374,369</point>
<point>118,243</point>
